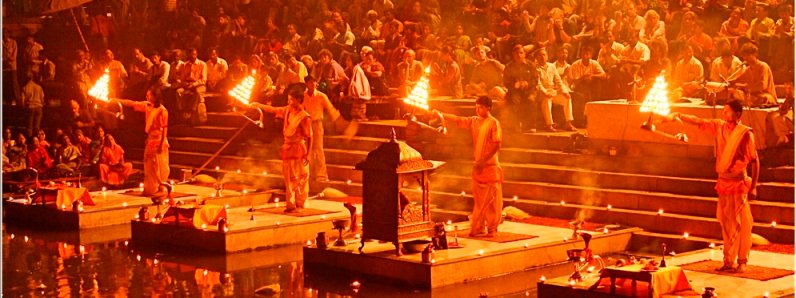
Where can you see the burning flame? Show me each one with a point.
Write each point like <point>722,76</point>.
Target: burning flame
<point>100,88</point>
<point>657,101</point>
<point>243,91</point>
<point>419,96</point>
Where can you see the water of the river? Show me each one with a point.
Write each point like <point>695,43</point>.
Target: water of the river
<point>69,264</point>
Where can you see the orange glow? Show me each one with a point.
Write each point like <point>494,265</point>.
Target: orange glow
<point>418,97</point>
<point>657,101</point>
<point>243,91</point>
<point>100,90</point>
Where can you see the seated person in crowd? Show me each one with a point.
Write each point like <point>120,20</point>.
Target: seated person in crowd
<point>330,75</point>
<point>487,72</point>
<point>584,78</point>
<point>191,86</point>
<point>688,75</point>
<point>68,157</point>
<point>782,121</point>
<point>723,69</point>
<point>112,168</point>
<point>84,144</point>
<point>38,158</point>
<point>755,86</point>
<point>409,73</point>
<point>78,117</point>
<point>551,90</point>
<point>18,154</point>
<point>446,76</point>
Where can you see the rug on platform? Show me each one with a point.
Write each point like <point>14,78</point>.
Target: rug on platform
<point>501,237</point>
<point>302,213</point>
<point>775,248</point>
<point>348,199</point>
<point>175,194</point>
<point>752,272</point>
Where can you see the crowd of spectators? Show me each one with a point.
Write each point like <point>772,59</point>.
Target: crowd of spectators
<point>528,55</point>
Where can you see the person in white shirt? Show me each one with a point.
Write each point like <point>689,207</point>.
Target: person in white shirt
<point>585,76</point>
<point>610,50</point>
<point>191,86</point>
<point>552,90</point>
<point>688,75</point>
<point>723,69</point>
<point>159,75</point>
<point>631,58</point>
<point>117,74</point>
<point>217,69</point>
<point>138,81</point>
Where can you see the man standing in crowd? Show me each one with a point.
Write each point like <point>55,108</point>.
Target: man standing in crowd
<point>521,79</point>
<point>315,103</point>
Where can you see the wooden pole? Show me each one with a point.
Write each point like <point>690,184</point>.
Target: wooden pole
<point>79,31</point>
<point>234,136</point>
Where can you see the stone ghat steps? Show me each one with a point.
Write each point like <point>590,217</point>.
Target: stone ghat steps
<point>658,166</point>
<point>679,167</point>
<point>521,179</point>
<point>763,211</point>
<point>668,223</point>
<point>768,191</point>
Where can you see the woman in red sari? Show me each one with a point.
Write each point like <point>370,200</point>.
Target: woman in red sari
<point>38,158</point>
<point>112,168</point>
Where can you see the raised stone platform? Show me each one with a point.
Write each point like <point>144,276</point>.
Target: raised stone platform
<point>617,123</point>
<point>114,207</point>
<point>726,286</point>
<point>478,259</point>
<point>266,230</point>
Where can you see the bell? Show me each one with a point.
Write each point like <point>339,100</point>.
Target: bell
<point>320,240</point>
<point>428,254</point>
<point>222,225</point>
<point>143,213</point>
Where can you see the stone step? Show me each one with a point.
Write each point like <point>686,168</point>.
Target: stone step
<point>768,191</point>
<point>639,213</point>
<point>207,131</point>
<point>574,183</point>
<point>675,224</point>
<point>766,211</point>
<point>366,144</point>
<point>382,129</point>
<point>195,144</point>
<point>229,119</point>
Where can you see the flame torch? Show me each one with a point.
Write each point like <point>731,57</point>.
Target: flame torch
<point>243,92</point>
<point>657,102</point>
<point>101,90</point>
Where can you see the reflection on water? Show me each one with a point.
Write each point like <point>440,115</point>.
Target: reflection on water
<point>42,263</point>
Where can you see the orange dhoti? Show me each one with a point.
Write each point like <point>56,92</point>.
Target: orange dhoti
<point>487,203</point>
<point>156,165</point>
<point>735,218</point>
<point>317,157</point>
<point>297,174</point>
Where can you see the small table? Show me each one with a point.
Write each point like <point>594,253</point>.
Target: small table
<point>662,281</point>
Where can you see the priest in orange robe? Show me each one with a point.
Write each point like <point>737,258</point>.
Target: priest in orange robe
<point>297,131</point>
<point>487,173</point>
<point>735,144</point>
<point>156,147</point>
